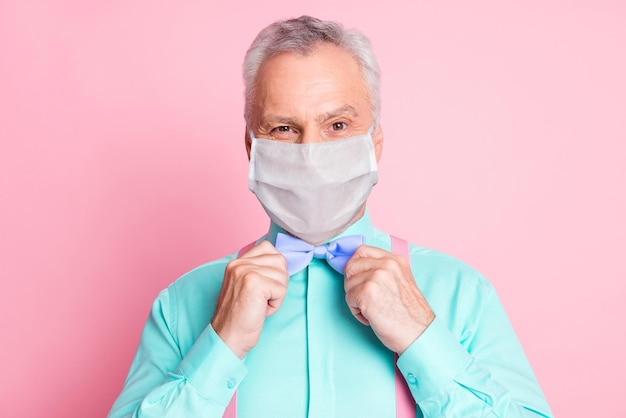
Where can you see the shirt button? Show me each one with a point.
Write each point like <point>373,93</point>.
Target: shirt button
<point>411,379</point>
<point>231,383</point>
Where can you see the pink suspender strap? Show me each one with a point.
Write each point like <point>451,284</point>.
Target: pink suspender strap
<point>245,249</point>
<point>405,405</point>
<point>231,409</point>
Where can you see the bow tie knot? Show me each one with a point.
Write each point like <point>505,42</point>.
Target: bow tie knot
<point>299,253</point>
<point>320,251</point>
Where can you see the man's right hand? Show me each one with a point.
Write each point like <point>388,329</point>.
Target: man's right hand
<point>254,287</point>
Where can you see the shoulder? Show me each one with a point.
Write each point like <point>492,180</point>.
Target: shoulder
<point>442,274</point>
<point>188,303</point>
<point>429,263</point>
<point>203,278</point>
<point>456,292</point>
<point>433,263</point>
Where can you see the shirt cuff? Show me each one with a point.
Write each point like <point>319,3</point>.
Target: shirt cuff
<point>432,361</point>
<point>212,368</point>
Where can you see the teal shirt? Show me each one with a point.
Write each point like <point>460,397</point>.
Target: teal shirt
<point>314,359</point>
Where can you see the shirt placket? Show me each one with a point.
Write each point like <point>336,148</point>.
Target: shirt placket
<point>320,344</point>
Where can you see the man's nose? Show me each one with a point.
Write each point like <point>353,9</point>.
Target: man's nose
<point>311,136</point>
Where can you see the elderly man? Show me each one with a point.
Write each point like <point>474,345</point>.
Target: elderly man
<point>325,316</point>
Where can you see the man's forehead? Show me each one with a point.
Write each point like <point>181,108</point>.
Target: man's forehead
<point>293,88</point>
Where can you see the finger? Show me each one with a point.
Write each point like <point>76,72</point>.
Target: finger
<point>274,295</point>
<point>254,292</point>
<point>356,279</point>
<point>265,253</point>
<point>245,271</point>
<point>353,304</point>
<point>390,263</point>
<point>242,308</point>
<point>369,251</point>
<point>356,303</point>
<point>263,247</point>
<point>356,312</point>
<point>272,260</point>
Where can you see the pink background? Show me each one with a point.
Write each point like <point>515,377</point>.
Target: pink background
<point>122,166</point>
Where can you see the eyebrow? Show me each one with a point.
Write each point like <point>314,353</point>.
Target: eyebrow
<point>267,119</point>
<point>343,110</point>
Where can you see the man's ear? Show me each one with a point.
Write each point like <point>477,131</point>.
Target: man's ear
<point>248,142</point>
<point>377,138</point>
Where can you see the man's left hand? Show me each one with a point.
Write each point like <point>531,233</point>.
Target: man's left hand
<point>381,292</point>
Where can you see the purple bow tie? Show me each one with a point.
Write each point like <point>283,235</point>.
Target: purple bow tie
<point>299,253</point>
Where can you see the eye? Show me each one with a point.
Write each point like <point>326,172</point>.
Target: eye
<point>338,126</point>
<point>282,130</point>
<point>284,133</point>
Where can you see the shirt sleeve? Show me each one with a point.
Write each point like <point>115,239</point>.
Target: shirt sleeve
<point>163,383</point>
<point>481,373</point>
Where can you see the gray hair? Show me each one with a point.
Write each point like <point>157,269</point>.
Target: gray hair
<point>301,36</point>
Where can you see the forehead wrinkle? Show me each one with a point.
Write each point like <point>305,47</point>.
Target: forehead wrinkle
<point>278,119</point>
<point>350,110</point>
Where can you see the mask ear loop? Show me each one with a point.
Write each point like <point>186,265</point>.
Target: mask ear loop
<point>252,164</point>
<point>372,154</point>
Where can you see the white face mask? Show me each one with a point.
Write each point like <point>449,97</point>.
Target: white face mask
<point>315,190</point>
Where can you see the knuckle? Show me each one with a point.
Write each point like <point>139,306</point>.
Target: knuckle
<point>379,275</point>
<point>401,261</point>
<point>349,270</point>
<point>266,246</point>
<point>248,280</point>
<point>370,289</point>
<point>233,265</point>
<point>236,268</point>
<point>389,264</point>
<point>283,288</point>
<point>282,261</point>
